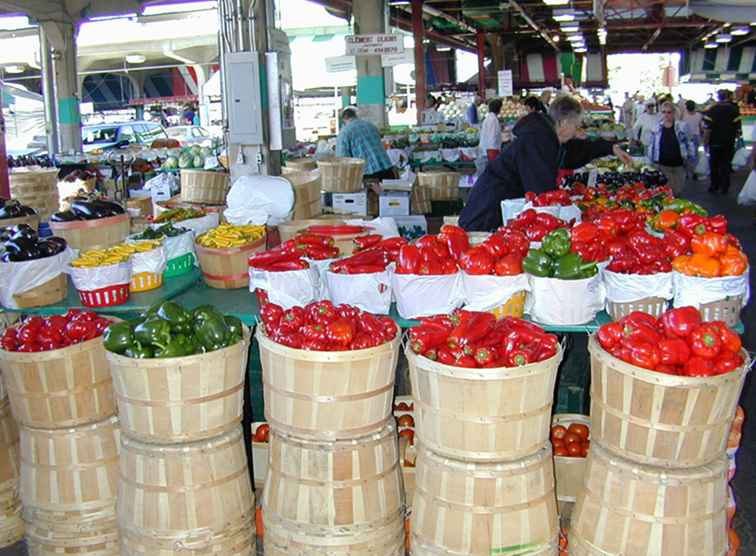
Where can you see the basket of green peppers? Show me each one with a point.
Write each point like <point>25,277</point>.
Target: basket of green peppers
<point>170,330</point>
<point>555,259</point>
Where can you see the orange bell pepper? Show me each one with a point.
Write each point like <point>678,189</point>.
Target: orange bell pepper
<point>733,264</point>
<point>703,265</point>
<point>708,243</point>
<point>666,219</point>
<point>680,263</point>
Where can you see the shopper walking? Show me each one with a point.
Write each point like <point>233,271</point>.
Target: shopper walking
<point>670,148</point>
<point>471,114</point>
<point>361,139</point>
<point>490,130</point>
<point>646,124</point>
<point>722,127</point>
<point>693,120</point>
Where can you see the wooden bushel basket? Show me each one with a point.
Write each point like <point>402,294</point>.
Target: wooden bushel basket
<point>186,499</point>
<point>482,509</point>
<point>358,487</point>
<point>93,234</point>
<point>227,269</point>
<point>180,399</point>
<point>727,310</point>
<point>654,306</point>
<point>37,189</point>
<point>200,186</point>
<point>341,175</point>
<point>483,414</point>
<point>11,525</point>
<point>301,164</point>
<point>639,510</point>
<point>31,220</point>
<point>441,186</point>
<point>659,419</point>
<point>48,293</point>
<point>61,388</point>
<point>327,395</point>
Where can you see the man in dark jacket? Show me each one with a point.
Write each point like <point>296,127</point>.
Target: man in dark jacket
<point>722,127</point>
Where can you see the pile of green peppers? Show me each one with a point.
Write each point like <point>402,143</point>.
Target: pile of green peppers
<point>555,260</point>
<point>170,330</point>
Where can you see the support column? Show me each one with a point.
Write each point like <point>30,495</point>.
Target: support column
<point>4,179</point>
<point>202,73</point>
<point>480,38</point>
<point>48,92</point>
<point>370,18</point>
<point>418,33</point>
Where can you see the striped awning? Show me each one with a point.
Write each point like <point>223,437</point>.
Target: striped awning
<point>541,70</point>
<point>719,64</point>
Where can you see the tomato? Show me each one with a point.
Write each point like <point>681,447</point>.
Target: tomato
<point>557,443</point>
<point>262,433</point>
<point>574,450</point>
<point>409,463</point>
<point>579,429</point>
<point>401,406</point>
<point>571,438</point>
<point>560,452</point>
<point>410,434</point>
<point>406,420</point>
<point>558,431</point>
<point>583,450</point>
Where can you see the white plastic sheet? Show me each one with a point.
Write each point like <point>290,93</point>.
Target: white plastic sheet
<point>422,296</point>
<point>259,200</point>
<point>566,213</point>
<point>483,293</point>
<point>626,288</point>
<point>385,226</point>
<point>695,291</point>
<point>153,261</point>
<point>565,302</point>
<point>287,289</point>
<point>369,292</point>
<point>23,276</point>
<point>747,195</point>
<point>179,245</point>
<point>95,278</point>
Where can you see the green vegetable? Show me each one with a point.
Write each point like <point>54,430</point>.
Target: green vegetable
<point>235,329</point>
<point>212,332</point>
<point>138,351</point>
<point>557,243</point>
<point>538,263</point>
<point>572,267</point>
<point>118,337</point>
<point>203,312</point>
<point>179,318</point>
<point>153,332</point>
<point>681,205</point>
<point>179,346</point>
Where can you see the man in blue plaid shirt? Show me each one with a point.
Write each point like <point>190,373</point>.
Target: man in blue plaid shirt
<point>360,139</point>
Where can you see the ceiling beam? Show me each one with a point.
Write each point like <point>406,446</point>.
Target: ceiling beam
<point>533,24</point>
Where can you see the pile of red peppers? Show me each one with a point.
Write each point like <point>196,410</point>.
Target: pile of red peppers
<point>54,332</point>
<point>677,343</point>
<point>552,198</point>
<point>322,326</point>
<point>477,340</point>
<point>536,225</point>
<point>640,253</point>
<point>291,254</point>
<point>372,254</point>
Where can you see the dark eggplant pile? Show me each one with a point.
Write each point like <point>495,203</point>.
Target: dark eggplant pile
<point>21,243</point>
<point>88,208</point>
<point>14,209</point>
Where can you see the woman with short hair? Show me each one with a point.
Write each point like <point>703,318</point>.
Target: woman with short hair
<point>670,148</point>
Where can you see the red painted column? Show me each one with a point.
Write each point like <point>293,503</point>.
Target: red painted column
<point>4,180</point>
<point>418,33</point>
<point>481,40</point>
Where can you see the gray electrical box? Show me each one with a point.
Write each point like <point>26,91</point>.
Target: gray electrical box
<point>245,123</point>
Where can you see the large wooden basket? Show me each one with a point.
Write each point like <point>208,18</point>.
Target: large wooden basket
<point>301,164</point>
<point>482,509</point>
<point>93,234</point>
<point>327,395</point>
<point>181,399</point>
<point>200,186</point>
<point>52,291</point>
<point>341,175</point>
<point>441,186</point>
<point>227,269</point>
<point>37,189</point>
<point>640,510</point>
<point>483,414</point>
<point>357,484</point>
<point>660,419</point>
<point>61,388</point>
<point>187,498</point>
<point>31,220</point>
<point>306,186</point>
<point>11,525</point>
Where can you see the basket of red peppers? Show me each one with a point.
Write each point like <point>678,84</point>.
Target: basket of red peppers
<point>535,225</point>
<point>556,201</point>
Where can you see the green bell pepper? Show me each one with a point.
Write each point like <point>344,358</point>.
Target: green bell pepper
<point>202,312</point>
<point>557,242</point>
<point>572,267</point>
<point>118,337</point>
<point>138,351</point>
<point>153,332</point>
<point>212,332</point>
<point>179,318</point>
<point>235,329</point>
<point>538,263</point>
<point>151,312</point>
<point>179,346</point>
<point>682,205</point>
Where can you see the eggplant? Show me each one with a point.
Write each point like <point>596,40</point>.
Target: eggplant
<point>23,249</point>
<point>59,243</point>
<point>84,210</point>
<point>2,201</point>
<point>49,248</point>
<point>23,230</point>
<point>115,208</point>
<point>64,216</point>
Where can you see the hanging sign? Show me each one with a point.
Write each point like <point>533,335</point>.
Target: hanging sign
<point>374,45</point>
<point>406,57</point>
<point>336,64</point>
<point>506,87</point>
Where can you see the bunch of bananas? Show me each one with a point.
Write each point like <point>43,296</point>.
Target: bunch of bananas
<point>227,235</point>
<point>112,255</point>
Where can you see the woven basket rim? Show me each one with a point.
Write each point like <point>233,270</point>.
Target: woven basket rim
<point>326,356</point>
<point>231,436</point>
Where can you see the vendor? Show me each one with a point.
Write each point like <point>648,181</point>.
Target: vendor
<point>490,131</point>
<point>431,115</point>
<point>360,139</point>
<point>542,144</point>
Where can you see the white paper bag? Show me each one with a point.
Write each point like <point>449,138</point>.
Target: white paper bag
<point>626,288</point>
<point>423,296</point>
<point>369,292</point>
<point>565,302</point>
<point>484,293</point>
<point>153,261</point>
<point>288,289</point>
<point>696,291</point>
<point>747,195</point>
<point>95,278</point>
<point>23,276</point>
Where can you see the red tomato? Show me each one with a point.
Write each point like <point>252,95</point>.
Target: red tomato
<point>558,432</point>
<point>410,434</point>
<point>557,443</point>
<point>572,438</point>
<point>560,452</point>
<point>574,450</point>
<point>262,433</point>
<point>406,420</point>
<point>583,450</point>
<point>401,406</point>
<point>579,429</point>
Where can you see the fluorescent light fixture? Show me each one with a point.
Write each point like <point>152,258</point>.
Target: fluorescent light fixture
<point>740,31</point>
<point>15,68</point>
<point>111,17</point>
<point>723,38</point>
<point>180,7</point>
<point>556,2</point>
<point>575,38</point>
<point>14,22</point>
<point>572,27</point>
<point>710,45</point>
<point>135,59</point>
<point>564,15</point>
<point>602,40</point>
<point>580,50</point>
<point>443,48</point>
<point>556,38</point>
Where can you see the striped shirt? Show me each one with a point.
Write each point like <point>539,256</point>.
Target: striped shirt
<point>360,139</point>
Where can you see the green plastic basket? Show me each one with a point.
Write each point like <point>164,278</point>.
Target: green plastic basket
<point>179,265</point>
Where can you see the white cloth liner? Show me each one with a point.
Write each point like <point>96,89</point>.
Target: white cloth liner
<point>19,277</point>
<point>484,293</point>
<point>566,213</point>
<point>422,296</point>
<point>626,288</point>
<point>696,291</point>
<point>288,289</point>
<point>95,278</point>
<point>368,292</point>
<point>565,302</point>
<point>197,225</point>
<point>179,245</point>
<point>259,200</point>
<point>321,267</point>
<point>153,261</point>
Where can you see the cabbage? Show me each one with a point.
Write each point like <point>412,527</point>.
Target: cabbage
<point>185,161</point>
<point>171,163</point>
<point>196,150</point>
<point>198,162</point>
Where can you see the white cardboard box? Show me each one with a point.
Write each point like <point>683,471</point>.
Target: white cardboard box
<point>394,203</point>
<point>350,203</point>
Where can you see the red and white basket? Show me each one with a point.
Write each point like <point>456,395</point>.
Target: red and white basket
<point>102,286</point>
<point>105,297</point>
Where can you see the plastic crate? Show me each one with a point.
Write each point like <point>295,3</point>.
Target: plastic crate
<point>179,266</point>
<point>145,281</point>
<point>105,297</point>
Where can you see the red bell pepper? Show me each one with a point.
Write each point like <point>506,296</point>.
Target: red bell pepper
<point>705,342</point>
<point>485,355</point>
<point>314,239</point>
<point>284,266</point>
<point>271,315</point>
<point>680,322</point>
<point>643,354</point>
<point>409,260</point>
<point>293,319</point>
<point>509,265</point>
<point>730,339</point>
<point>445,356</point>
<point>477,261</point>
<point>698,366</point>
<point>321,312</point>
<point>80,330</point>
<point>691,224</point>
<point>370,240</point>
<point>676,243</point>
<point>496,246</point>
<point>472,330</point>
<point>363,341</point>
<point>456,244</point>
<point>423,338</point>
<point>727,362</point>
<point>260,260</point>
<point>717,224</point>
<point>439,321</point>
<point>516,241</point>
<point>340,332</point>
<point>610,334</point>
<point>584,232</point>
<point>674,351</point>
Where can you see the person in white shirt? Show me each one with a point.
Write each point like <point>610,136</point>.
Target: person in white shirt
<point>693,120</point>
<point>431,115</point>
<point>490,130</point>
<point>646,124</point>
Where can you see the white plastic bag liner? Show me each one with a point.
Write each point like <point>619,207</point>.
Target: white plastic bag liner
<point>178,245</point>
<point>740,159</point>
<point>369,292</point>
<point>383,225</point>
<point>153,261</point>
<point>567,213</point>
<point>197,225</point>
<point>26,275</point>
<point>696,291</point>
<point>89,279</point>
<point>565,302</point>
<point>423,296</point>
<point>288,289</point>
<point>450,155</point>
<point>321,267</point>
<point>747,195</point>
<point>259,200</point>
<point>626,288</point>
<point>510,208</point>
<point>483,293</point>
